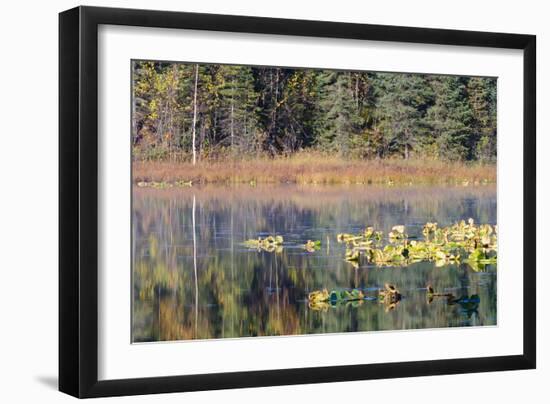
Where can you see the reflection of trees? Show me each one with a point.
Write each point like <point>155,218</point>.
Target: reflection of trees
<point>192,279</point>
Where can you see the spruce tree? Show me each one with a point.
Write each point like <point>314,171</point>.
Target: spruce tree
<point>276,111</point>
<point>237,108</point>
<point>482,99</point>
<point>401,106</point>
<point>451,119</point>
<point>338,114</point>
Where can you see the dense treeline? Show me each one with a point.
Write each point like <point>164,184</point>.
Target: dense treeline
<point>207,111</point>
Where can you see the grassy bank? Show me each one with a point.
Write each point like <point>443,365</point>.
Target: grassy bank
<point>312,169</point>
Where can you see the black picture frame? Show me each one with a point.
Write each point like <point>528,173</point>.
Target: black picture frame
<point>78,201</point>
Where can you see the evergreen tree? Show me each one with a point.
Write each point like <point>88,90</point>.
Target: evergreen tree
<point>273,110</point>
<point>237,109</point>
<point>338,113</point>
<point>482,99</point>
<point>451,119</point>
<point>402,103</point>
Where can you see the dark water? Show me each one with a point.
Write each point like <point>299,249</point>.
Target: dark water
<point>193,279</point>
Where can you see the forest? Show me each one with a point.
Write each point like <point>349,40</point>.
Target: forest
<point>186,112</point>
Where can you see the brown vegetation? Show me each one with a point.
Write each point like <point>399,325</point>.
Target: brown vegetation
<point>309,168</point>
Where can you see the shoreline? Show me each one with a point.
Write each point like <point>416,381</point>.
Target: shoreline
<point>311,170</point>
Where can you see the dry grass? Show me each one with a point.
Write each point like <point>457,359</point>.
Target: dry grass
<point>307,168</point>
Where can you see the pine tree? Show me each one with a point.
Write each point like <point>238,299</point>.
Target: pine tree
<point>451,119</point>
<point>238,97</point>
<point>338,113</point>
<point>276,111</point>
<point>401,106</point>
<point>482,99</point>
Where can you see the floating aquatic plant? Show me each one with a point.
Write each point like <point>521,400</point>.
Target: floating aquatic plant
<point>468,304</point>
<point>397,233</point>
<point>460,242</point>
<point>335,295</point>
<point>269,243</point>
<point>431,294</point>
<point>275,244</point>
<point>389,295</point>
<point>352,255</point>
<point>312,246</point>
<point>369,237</point>
<point>463,241</point>
<point>323,299</point>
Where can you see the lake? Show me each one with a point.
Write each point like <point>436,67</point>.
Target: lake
<point>194,279</point>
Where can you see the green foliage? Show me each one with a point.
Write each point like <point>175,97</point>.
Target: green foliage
<point>280,111</point>
<point>401,105</point>
<point>235,112</point>
<point>451,118</point>
<point>443,246</point>
<point>482,95</point>
<point>338,113</point>
<point>269,244</point>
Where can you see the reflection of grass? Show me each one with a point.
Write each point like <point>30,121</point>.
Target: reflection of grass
<point>322,197</point>
<point>308,168</point>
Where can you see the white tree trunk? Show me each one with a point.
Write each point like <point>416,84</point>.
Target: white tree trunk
<point>195,114</point>
<point>232,115</point>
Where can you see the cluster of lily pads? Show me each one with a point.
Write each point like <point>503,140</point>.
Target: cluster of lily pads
<point>268,243</point>
<point>463,241</point>
<point>389,296</point>
<point>275,244</point>
<point>323,299</point>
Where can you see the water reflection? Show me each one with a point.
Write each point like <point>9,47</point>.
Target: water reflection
<point>193,279</point>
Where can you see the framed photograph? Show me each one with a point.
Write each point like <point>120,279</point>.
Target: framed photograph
<point>251,201</point>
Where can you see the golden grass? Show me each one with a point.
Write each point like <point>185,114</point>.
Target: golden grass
<point>309,168</point>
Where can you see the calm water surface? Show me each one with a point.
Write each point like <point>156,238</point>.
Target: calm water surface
<point>193,279</point>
